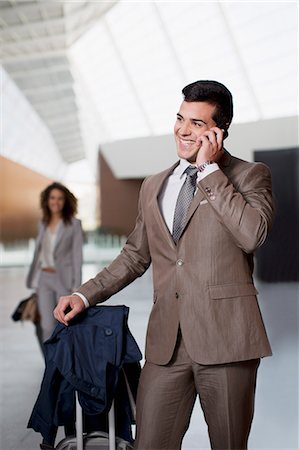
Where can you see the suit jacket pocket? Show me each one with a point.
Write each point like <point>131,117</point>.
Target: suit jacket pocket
<point>232,290</point>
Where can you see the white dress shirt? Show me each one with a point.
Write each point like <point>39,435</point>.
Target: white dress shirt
<point>47,248</point>
<point>172,187</point>
<point>169,195</point>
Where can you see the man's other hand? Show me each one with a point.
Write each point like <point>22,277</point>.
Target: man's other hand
<point>73,304</point>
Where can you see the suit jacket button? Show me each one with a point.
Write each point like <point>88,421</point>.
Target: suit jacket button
<point>180,262</point>
<point>176,295</point>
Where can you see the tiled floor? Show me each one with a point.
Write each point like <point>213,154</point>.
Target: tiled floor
<point>275,424</point>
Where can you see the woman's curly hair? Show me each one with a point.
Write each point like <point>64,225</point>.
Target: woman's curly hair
<point>70,203</point>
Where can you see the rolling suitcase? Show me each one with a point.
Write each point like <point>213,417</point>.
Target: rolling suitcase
<point>97,440</point>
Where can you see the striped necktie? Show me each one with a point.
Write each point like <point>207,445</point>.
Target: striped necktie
<point>183,202</point>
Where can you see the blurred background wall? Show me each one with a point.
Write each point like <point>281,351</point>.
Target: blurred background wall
<point>20,189</point>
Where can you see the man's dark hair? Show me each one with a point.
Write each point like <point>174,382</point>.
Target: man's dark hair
<point>214,93</point>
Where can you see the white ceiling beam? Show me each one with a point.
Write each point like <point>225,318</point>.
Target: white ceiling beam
<point>34,72</point>
<point>70,146</point>
<point>50,101</point>
<point>46,7</point>
<point>74,21</point>
<point>47,88</point>
<point>46,114</point>
<point>33,55</point>
<point>31,25</point>
<point>67,137</point>
<point>56,104</point>
<point>63,120</point>
<point>73,153</point>
<point>39,40</point>
<point>73,150</point>
<point>60,41</point>
<point>62,130</point>
<point>52,109</point>
<point>28,9</point>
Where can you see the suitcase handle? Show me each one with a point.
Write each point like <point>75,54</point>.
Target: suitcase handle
<point>79,423</point>
<point>130,395</point>
<point>111,418</point>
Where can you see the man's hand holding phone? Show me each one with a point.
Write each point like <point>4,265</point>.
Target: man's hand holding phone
<point>210,146</point>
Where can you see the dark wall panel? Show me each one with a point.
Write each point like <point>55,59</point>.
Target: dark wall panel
<point>278,258</point>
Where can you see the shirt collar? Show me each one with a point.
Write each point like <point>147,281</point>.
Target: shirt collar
<point>181,167</point>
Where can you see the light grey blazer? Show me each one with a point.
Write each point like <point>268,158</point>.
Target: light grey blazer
<point>68,255</point>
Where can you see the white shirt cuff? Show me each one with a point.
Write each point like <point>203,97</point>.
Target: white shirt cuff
<point>85,301</point>
<point>207,170</point>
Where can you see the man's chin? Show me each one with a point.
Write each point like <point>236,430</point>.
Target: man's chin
<point>191,158</point>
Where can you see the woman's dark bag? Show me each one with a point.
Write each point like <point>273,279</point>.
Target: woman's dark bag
<point>27,309</point>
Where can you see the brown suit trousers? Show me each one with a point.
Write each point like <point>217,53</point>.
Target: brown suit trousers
<point>166,396</point>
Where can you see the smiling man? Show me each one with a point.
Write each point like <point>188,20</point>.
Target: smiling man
<point>199,223</point>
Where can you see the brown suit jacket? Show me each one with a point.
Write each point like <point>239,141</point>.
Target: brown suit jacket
<point>204,283</point>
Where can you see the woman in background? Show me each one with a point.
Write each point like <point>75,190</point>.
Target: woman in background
<point>57,261</point>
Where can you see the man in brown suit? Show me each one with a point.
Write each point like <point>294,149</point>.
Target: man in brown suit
<point>205,333</point>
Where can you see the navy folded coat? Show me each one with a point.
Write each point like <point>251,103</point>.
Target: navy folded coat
<point>87,357</point>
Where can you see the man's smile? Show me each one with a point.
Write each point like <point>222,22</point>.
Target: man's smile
<point>186,142</point>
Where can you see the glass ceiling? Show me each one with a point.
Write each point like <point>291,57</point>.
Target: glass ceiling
<point>24,137</point>
<point>136,60</point>
<point>130,67</point>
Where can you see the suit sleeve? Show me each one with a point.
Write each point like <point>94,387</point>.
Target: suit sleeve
<point>77,253</point>
<point>133,260</point>
<point>246,210</point>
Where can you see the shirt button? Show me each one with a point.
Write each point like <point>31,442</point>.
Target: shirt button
<point>180,262</point>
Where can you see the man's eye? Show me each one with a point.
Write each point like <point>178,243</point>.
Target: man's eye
<point>179,119</point>
<point>197,124</point>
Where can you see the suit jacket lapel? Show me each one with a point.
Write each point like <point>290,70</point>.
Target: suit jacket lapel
<point>199,196</point>
<point>39,238</point>
<point>60,231</point>
<point>156,207</point>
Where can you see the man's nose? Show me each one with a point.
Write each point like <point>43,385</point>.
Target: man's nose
<point>185,128</point>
